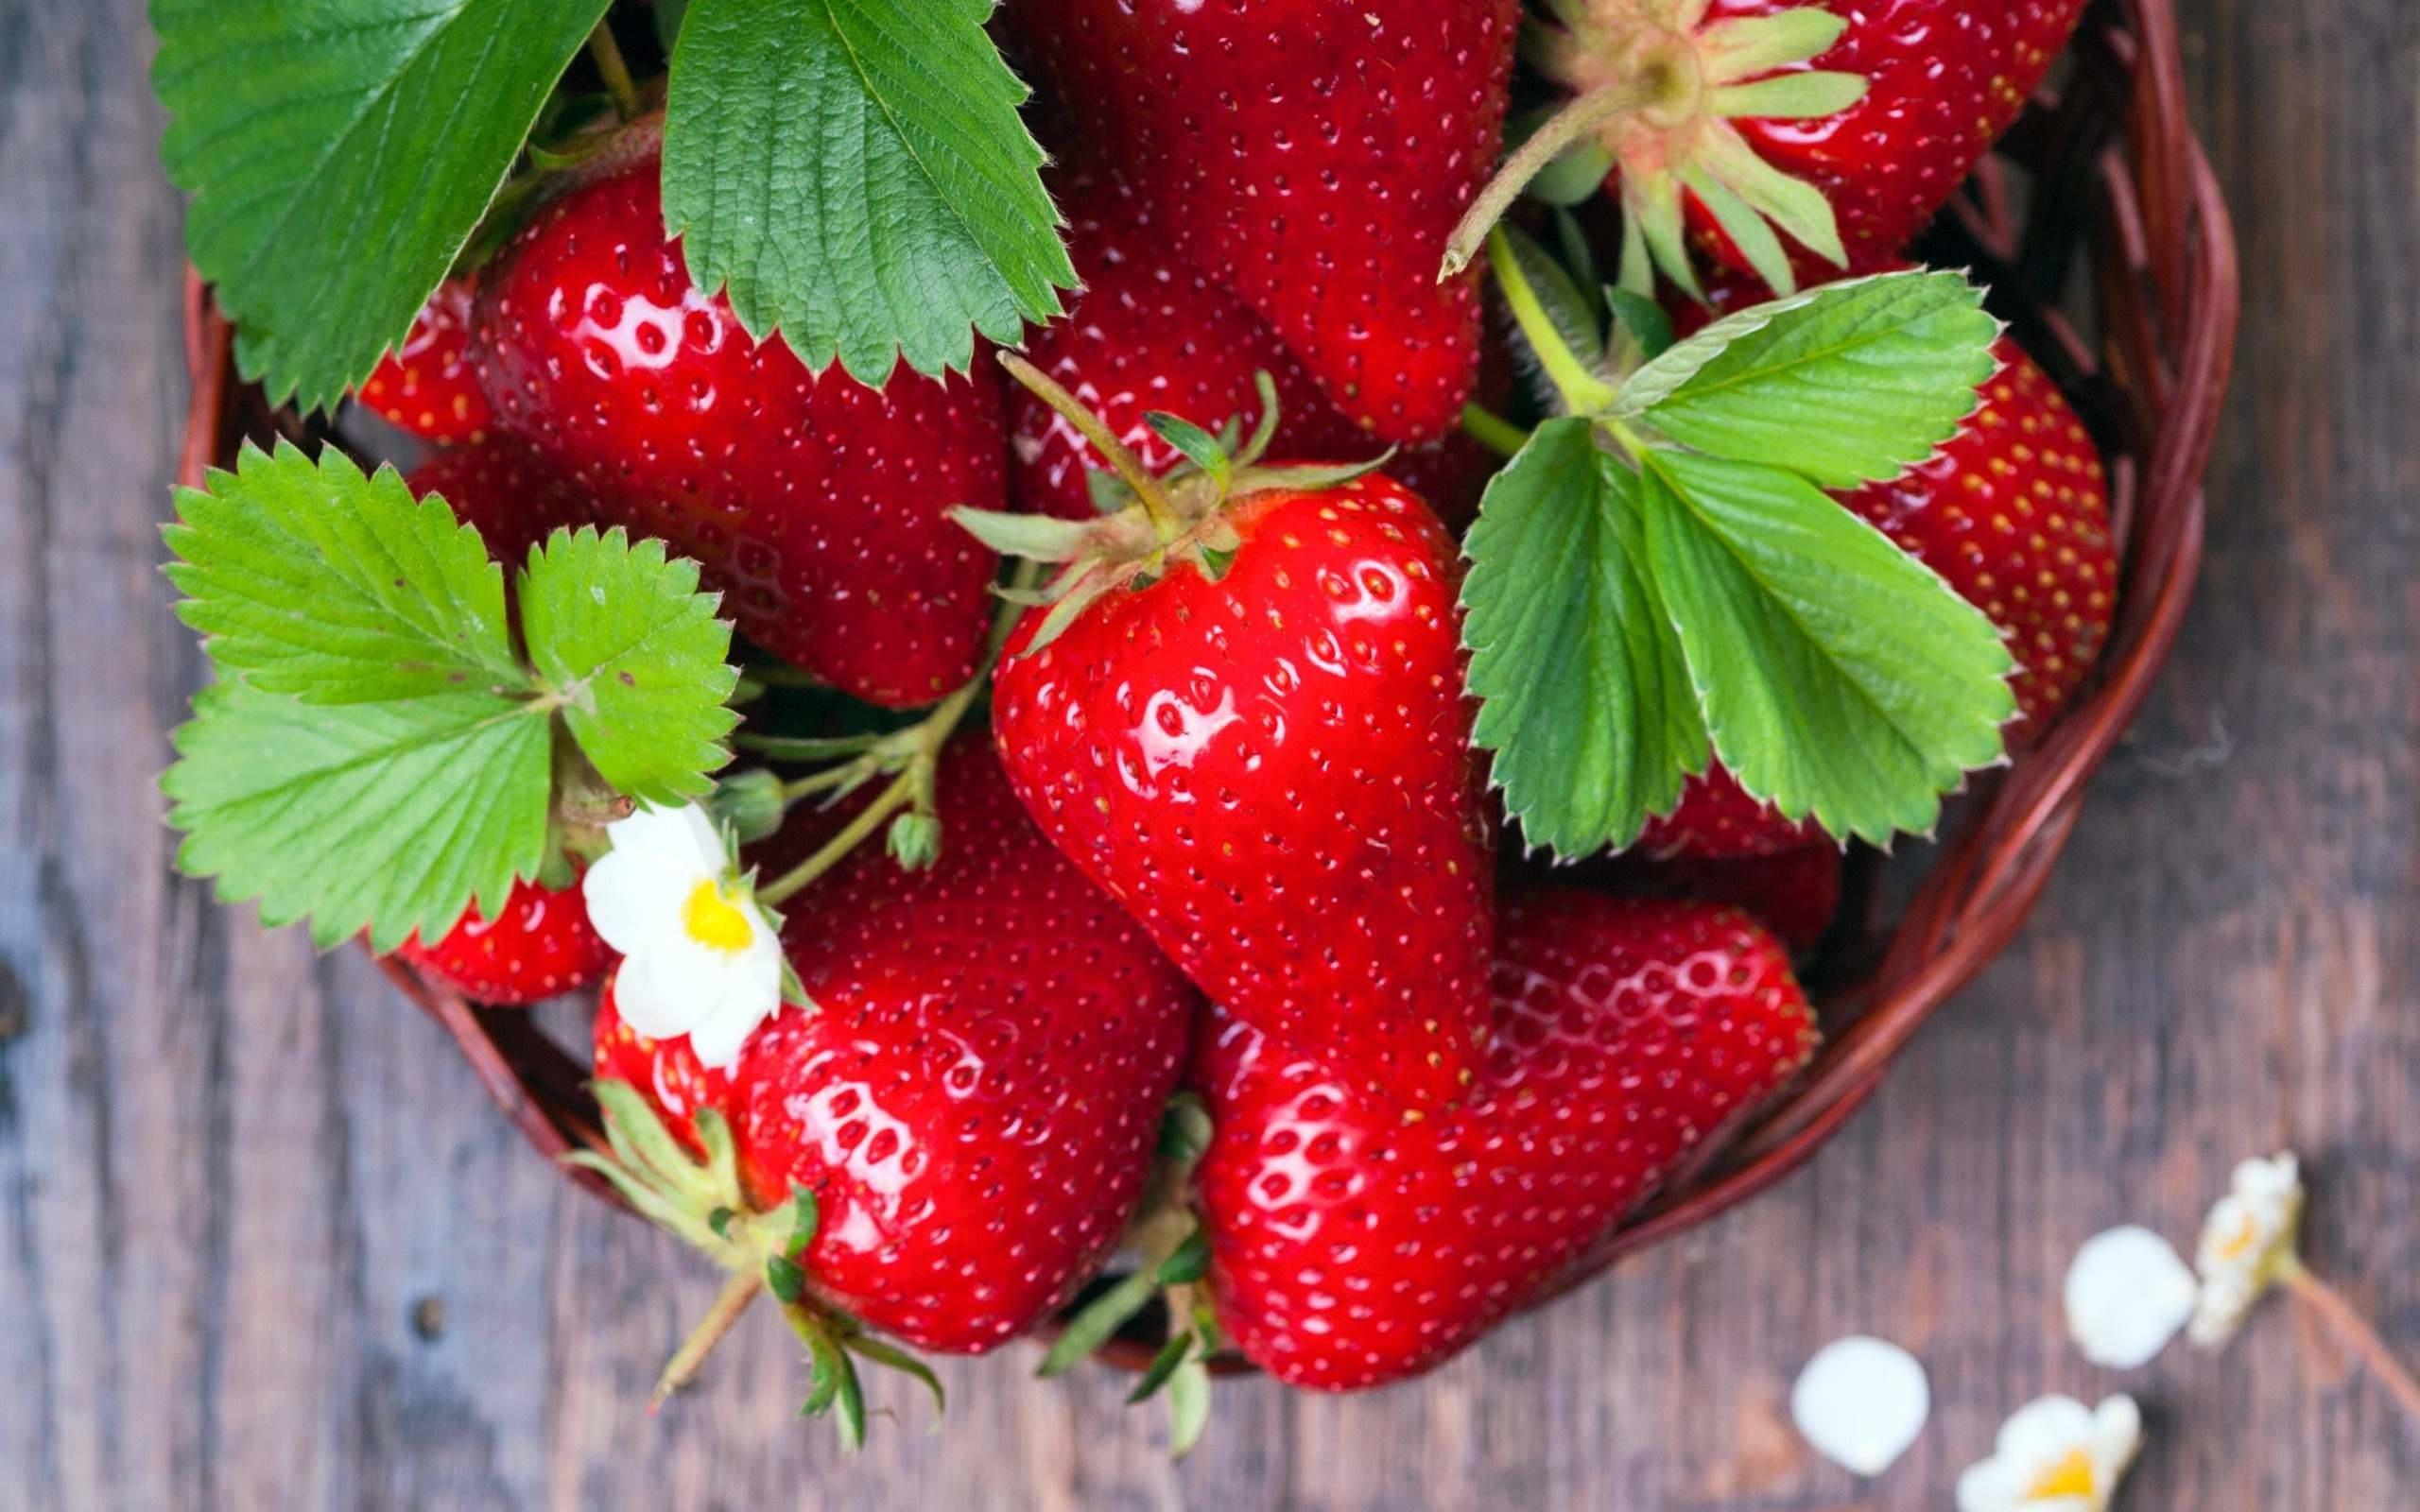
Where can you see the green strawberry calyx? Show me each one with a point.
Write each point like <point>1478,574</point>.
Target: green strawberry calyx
<point>1150,526</point>
<point>700,1199</point>
<point>1655,93</point>
<point>1172,1260</point>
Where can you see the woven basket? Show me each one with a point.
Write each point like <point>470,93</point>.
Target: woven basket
<point>2113,179</point>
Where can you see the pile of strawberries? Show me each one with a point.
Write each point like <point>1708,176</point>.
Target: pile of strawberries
<point>1228,840</point>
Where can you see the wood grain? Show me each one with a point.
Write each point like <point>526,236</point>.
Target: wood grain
<point>263,1245</point>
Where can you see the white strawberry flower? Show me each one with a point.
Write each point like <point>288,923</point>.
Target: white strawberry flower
<point>701,957</point>
<point>2055,1455</point>
<point>2247,1244</point>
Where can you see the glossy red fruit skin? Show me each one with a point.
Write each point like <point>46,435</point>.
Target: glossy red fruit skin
<point>1273,772</point>
<point>974,1097</point>
<point>1351,1249</point>
<point>539,945</point>
<point>1149,331</point>
<point>1316,153</point>
<point>818,506</point>
<point>1945,78</point>
<point>500,487</point>
<point>426,386</point>
<point>1717,819</point>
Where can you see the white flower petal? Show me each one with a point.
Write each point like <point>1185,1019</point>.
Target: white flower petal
<point>654,996</point>
<point>634,891</point>
<point>1861,1401</point>
<point>724,1032</point>
<point>2127,1294</point>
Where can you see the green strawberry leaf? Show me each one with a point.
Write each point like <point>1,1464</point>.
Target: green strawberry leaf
<point>856,174</point>
<point>1852,382</point>
<point>310,579</point>
<point>393,816</point>
<point>634,655</point>
<point>1585,701</point>
<point>1839,677</point>
<point>338,157</point>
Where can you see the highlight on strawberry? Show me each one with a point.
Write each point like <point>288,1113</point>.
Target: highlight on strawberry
<point>1031,844</point>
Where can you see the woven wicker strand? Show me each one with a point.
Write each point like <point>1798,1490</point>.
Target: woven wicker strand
<point>2117,178</point>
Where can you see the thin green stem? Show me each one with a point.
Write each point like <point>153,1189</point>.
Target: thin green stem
<point>1121,460</point>
<point>607,54</point>
<point>1493,431</point>
<point>737,1292</point>
<point>1576,120</point>
<point>821,782</point>
<point>1582,391</point>
<point>870,818</point>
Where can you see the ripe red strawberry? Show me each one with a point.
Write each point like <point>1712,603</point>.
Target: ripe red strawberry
<point>1151,332</point>
<point>1797,894</point>
<point>1273,772</point>
<point>1350,1248</point>
<point>1718,818</point>
<point>1942,80</point>
<point>817,506</point>
<point>426,386</point>
<point>1315,153</point>
<point>975,1095</point>
<point>539,945</point>
<point>506,491</point>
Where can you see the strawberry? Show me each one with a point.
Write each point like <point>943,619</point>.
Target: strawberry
<point>1796,894</point>
<point>506,491</point>
<point>1150,332</point>
<point>1315,153</point>
<point>541,944</point>
<point>818,506</point>
<point>426,386</point>
<point>1350,1248</point>
<point>1792,136</point>
<point>1718,820</point>
<point>1245,719</point>
<point>973,1098</point>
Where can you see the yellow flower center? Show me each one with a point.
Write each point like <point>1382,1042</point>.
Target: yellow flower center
<point>2071,1476</point>
<point>713,922</point>
<point>2241,1241</point>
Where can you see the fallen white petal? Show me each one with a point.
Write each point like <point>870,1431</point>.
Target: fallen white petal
<point>2128,1292</point>
<point>1861,1401</point>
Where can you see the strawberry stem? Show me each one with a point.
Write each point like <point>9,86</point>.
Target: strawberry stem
<point>607,54</point>
<point>737,1292</point>
<point>893,799</point>
<point>1120,459</point>
<point>1565,128</point>
<point>1493,431</point>
<point>1583,390</point>
<point>2354,1330</point>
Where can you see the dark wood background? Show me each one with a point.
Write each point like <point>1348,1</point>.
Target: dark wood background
<point>265,1245</point>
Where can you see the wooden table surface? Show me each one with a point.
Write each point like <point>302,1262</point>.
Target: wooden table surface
<point>265,1245</point>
